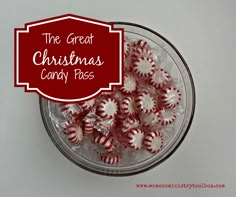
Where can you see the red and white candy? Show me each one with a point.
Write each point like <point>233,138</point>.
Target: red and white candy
<point>117,95</point>
<point>130,84</point>
<point>151,119</point>
<point>166,116</point>
<point>106,142</point>
<point>104,126</point>
<point>160,78</point>
<point>170,97</point>
<point>74,134</point>
<point>69,122</point>
<point>140,44</point>
<point>144,66</point>
<point>70,109</point>
<point>87,105</point>
<point>89,122</point>
<point>153,141</point>
<point>141,52</point>
<point>129,123</point>
<point>107,108</point>
<point>129,106</point>
<point>135,138</point>
<point>145,102</point>
<point>126,48</point>
<point>110,158</point>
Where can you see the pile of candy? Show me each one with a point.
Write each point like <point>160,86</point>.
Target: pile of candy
<point>131,116</point>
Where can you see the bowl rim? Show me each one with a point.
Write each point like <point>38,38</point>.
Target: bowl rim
<point>176,146</point>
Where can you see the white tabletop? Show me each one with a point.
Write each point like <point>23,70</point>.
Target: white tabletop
<point>203,31</point>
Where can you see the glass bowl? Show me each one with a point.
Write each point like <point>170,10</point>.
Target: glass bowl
<point>139,161</point>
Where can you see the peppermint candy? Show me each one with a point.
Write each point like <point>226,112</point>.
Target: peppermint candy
<point>140,44</point>
<point>160,79</point>
<point>126,48</point>
<point>74,134</point>
<point>87,105</point>
<point>104,126</point>
<point>153,141</point>
<point>130,84</point>
<point>69,122</point>
<point>110,158</point>
<point>144,66</point>
<point>118,95</point>
<point>108,108</point>
<point>135,138</point>
<point>129,106</point>
<point>151,119</point>
<point>171,97</point>
<point>106,142</point>
<point>141,52</point>
<point>70,109</point>
<point>166,116</point>
<point>145,103</point>
<point>129,123</point>
<point>89,122</point>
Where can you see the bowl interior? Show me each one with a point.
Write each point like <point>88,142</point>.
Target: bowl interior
<point>168,58</point>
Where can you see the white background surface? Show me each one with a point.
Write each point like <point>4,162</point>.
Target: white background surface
<point>204,32</point>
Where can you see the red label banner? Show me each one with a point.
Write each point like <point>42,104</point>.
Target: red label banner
<point>68,58</point>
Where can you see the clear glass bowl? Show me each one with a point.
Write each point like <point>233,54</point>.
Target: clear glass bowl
<point>139,161</point>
